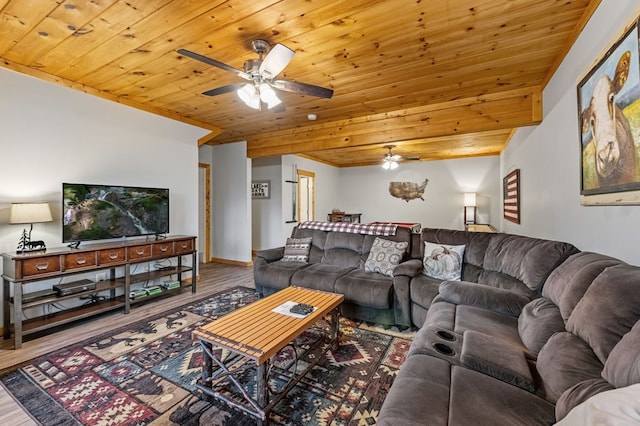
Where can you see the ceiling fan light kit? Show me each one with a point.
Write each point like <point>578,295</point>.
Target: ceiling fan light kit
<point>390,161</point>
<point>261,74</point>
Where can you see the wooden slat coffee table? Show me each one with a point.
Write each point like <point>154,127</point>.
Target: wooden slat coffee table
<point>258,333</point>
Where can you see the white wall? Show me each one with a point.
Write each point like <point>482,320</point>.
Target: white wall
<point>327,190</point>
<point>548,155</point>
<point>230,201</point>
<point>267,214</point>
<point>366,190</point>
<point>51,134</point>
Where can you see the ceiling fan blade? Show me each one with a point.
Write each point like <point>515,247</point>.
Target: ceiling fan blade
<point>215,63</point>
<point>223,89</point>
<point>304,88</point>
<point>276,60</point>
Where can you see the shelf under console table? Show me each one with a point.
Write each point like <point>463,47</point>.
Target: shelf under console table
<point>116,262</point>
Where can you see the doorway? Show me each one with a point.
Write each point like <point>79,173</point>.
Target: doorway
<point>306,195</point>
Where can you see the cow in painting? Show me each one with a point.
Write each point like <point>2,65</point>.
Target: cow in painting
<point>615,153</point>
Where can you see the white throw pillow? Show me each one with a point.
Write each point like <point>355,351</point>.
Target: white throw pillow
<point>442,261</point>
<point>384,256</point>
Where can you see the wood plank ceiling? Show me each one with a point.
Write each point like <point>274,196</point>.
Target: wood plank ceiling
<point>436,79</point>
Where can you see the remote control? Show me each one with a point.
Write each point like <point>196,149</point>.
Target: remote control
<point>301,309</point>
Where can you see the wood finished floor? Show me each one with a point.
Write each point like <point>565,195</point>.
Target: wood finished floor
<point>213,277</point>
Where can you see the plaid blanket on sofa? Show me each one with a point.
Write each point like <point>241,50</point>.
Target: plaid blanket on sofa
<point>383,229</point>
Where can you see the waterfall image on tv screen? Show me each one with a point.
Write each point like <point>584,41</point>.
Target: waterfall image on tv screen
<point>96,212</point>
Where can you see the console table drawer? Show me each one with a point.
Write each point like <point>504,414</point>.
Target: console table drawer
<point>40,266</point>
<point>79,260</point>
<point>184,246</point>
<point>139,252</point>
<point>162,249</point>
<point>106,257</point>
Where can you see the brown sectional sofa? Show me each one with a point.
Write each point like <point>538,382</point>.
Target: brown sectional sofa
<point>485,355</point>
<point>533,329</point>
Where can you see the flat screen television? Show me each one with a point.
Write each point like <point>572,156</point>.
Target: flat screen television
<point>97,212</point>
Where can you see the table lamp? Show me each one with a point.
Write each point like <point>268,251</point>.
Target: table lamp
<point>23,213</point>
<point>469,208</point>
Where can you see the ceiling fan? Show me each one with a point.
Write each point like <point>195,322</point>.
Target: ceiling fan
<point>261,74</point>
<point>390,161</point>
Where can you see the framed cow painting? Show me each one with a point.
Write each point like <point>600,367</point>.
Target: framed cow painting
<point>609,125</point>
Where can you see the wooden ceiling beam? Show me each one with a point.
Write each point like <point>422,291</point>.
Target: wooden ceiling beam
<point>497,111</point>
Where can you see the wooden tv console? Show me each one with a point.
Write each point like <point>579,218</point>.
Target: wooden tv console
<point>121,260</point>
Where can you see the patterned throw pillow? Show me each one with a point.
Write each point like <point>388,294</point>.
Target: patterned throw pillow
<point>384,256</point>
<point>297,250</point>
<point>443,262</point>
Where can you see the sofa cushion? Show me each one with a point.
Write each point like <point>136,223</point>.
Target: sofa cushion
<point>297,250</point>
<point>608,310</point>
<point>493,357</point>
<point>384,256</point>
<point>483,296</point>
<point>524,259</point>
<point>539,320</point>
<point>501,326</point>
<point>319,276</point>
<point>579,393</point>
<point>318,242</point>
<point>366,289</point>
<point>443,261</point>
<point>622,367</point>
<point>343,249</point>
<point>277,274</point>
<point>423,379</point>
<point>568,282</point>
<point>479,400</point>
<point>564,361</point>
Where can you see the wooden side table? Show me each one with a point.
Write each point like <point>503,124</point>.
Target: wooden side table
<point>479,228</point>
<point>344,217</point>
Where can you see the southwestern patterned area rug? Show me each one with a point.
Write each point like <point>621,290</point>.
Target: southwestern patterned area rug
<point>145,374</point>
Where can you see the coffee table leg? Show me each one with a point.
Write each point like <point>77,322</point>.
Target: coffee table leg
<point>335,327</point>
<point>262,388</point>
<point>207,362</point>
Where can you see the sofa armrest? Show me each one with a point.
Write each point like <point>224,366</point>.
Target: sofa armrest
<point>271,255</point>
<point>411,268</point>
<point>402,275</point>
<point>483,296</point>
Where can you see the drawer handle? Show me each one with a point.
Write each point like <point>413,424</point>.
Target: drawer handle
<point>42,266</point>
<point>139,252</point>
<point>81,261</point>
<point>185,245</point>
<point>113,256</point>
<point>164,248</point>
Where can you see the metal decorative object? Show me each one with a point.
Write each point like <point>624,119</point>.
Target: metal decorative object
<point>408,190</point>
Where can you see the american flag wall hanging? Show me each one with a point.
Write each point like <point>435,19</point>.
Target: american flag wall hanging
<point>511,196</point>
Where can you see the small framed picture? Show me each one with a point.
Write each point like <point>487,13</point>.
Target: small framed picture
<point>261,189</point>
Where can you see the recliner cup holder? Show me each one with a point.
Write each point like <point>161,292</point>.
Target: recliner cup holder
<point>445,335</point>
<point>444,349</point>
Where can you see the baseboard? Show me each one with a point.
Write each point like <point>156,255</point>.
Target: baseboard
<point>231,262</point>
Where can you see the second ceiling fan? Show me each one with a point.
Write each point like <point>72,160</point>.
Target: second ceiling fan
<point>261,74</point>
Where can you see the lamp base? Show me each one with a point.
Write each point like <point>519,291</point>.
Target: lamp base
<point>30,246</point>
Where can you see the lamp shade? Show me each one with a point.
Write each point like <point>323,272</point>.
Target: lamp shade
<point>22,213</point>
<point>470,199</point>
